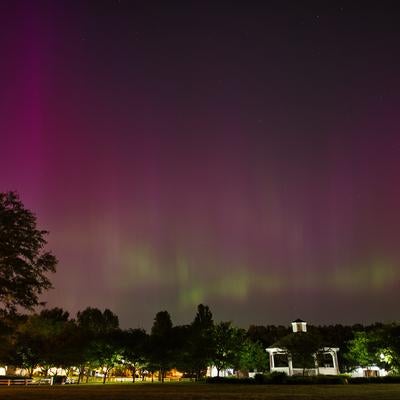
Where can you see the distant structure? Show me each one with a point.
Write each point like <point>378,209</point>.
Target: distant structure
<point>326,363</point>
<point>299,325</point>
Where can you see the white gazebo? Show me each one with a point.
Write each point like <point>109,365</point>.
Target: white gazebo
<point>325,364</point>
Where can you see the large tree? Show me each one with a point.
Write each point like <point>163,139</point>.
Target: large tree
<point>42,339</point>
<point>363,350</point>
<point>97,322</point>
<point>253,357</point>
<point>24,261</point>
<point>227,341</point>
<point>135,349</point>
<point>162,344</point>
<point>201,341</point>
<point>302,347</point>
<point>391,349</point>
<point>103,339</point>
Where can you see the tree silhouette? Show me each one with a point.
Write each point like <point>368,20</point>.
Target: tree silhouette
<point>97,322</point>
<point>24,261</point>
<point>253,357</point>
<point>302,348</point>
<point>201,340</point>
<point>161,343</point>
<point>228,341</point>
<point>362,350</point>
<point>103,338</point>
<point>41,341</point>
<point>135,350</point>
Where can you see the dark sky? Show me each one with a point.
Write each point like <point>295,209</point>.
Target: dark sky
<point>243,154</point>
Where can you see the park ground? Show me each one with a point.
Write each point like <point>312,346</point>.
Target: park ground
<point>202,392</point>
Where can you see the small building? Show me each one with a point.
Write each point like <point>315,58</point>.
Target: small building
<point>299,325</point>
<point>326,360</point>
<point>368,372</point>
<point>223,373</point>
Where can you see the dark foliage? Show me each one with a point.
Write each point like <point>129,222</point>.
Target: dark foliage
<point>162,342</point>
<point>230,381</point>
<point>280,378</point>
<point>375,379</point>
<point>24,262</point>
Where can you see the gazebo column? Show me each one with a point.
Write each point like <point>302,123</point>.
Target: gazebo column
<point>290,365</point>
<point>271,360</point>
<point>335,361</point>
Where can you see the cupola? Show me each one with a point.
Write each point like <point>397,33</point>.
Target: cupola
<point>299,325</point>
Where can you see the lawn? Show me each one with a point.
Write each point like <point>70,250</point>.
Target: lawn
<point>189,391</point>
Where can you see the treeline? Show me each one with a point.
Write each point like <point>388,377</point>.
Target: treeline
<point>94,341</point>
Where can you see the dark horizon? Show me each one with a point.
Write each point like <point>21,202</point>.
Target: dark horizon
<point>244,156</point>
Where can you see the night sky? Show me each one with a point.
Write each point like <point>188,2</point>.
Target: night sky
<point>243,154</point>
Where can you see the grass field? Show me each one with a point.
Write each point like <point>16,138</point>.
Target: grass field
<point>201,392</point>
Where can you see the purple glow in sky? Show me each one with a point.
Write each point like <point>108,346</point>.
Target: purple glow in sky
<point>246,156</point>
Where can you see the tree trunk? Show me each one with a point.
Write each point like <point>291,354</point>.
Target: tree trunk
<point>104,377</point>
<point>133,374</point>
<point>81,372</point>
<point>162,375</point>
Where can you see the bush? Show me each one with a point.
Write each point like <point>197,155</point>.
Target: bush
<point>317,380</point>
<point>391,379</point>
<point>261,379</point>
<point>233,380</point>
<point>375,379</point>
<point>332,379</point>
<point>278,377</point>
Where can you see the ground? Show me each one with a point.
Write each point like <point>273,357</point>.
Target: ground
<point>202,392</point>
